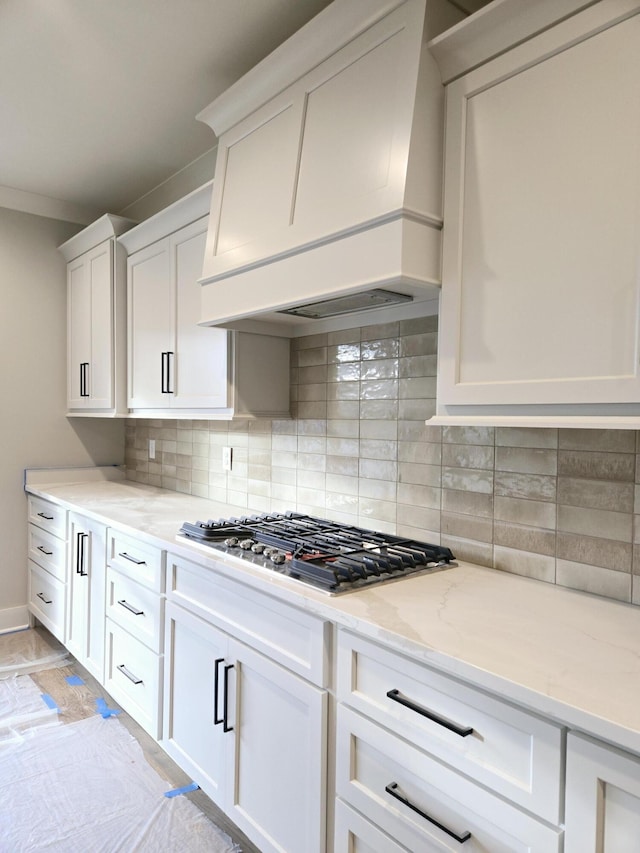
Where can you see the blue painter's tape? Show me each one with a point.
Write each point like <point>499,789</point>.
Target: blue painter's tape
<point>177,791</point>
<point>74,680</point>
<point>102,708</point>
<point>50,703</point>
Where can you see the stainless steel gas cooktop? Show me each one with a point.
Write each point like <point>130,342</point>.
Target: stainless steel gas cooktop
<point>326,555</point>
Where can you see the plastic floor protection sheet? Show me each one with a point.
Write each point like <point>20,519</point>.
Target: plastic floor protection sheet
<point>22,706</point>
<point>86,786</point>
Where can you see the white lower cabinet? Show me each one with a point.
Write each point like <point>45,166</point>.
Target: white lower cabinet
<point>86,592</point>
<point>134,638</point>
<point>603,798</point>
<point>423,804</point>
<point>355,834</point>
<point>47,550</point>
<point>250,732</point>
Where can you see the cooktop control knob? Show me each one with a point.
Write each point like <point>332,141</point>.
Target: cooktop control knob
<point>246,544</point>
<point>231,542</point>
<point>258,547</point>
<point>277,557</point>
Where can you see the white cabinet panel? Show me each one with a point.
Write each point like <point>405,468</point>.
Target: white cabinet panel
<point>516,754</point>
<point>150,319</point>
<point>96,323</point>
<point>192,686</point>
<point>541,295</point>
<point>423,804</point>
<point>47,600</point>
<point>86,593</point>
<point>603,798</point>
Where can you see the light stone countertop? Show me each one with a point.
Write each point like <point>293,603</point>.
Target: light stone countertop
<point>567,655</point>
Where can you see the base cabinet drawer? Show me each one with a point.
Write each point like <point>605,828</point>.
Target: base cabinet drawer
<point>516,754</point>
<point>47,600</point>
<point>135,608</point>
<point>424,805</point>
<point>49,516</point>
<point>132,677</point>
<point>355,834</point>
<point>48,551</point>
<point>140,561</point>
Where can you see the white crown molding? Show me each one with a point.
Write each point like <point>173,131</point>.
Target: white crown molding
<point>41,205</point>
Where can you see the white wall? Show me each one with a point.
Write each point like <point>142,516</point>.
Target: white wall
<point>34,431</point>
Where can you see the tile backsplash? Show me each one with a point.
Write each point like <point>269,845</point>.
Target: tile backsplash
<point>556,505</point>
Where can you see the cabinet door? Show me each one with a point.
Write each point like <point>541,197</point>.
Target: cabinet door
<point>150,326</point>
<point>193,680</point>
<point>86,593</point>
<point>78,331</point>
<point>101,370</point>
<point>603,798</point>
<point>199,369</point>
<point>540,291</point>
<point>279,754</point>
<point>90,329</point>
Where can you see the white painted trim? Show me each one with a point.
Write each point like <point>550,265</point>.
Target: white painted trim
<point>99,231</point>
<point>324,35</point>
<point>14,619</point>
<point>575,421</point>
<point>195,205</point>
<point>51,208</point>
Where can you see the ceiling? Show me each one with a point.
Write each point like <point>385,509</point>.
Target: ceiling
<point>98,98</point>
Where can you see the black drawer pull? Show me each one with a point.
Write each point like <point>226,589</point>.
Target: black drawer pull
<point>463,731</point>
<point>44,551</point>
<point>125,556</point>
<point>216,689</point>
<point>131,608</point>
<point>41,595</point>
<point>392,788</point>
<point>123,669</point>
<point>47,517</point>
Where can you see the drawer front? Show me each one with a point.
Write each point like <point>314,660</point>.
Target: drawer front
<point>48,516</point>
<point>424,805</point>
<point>136,608</point>
<point>141,562</point>
<point>48,551</point>
<point>132,677</point>
<point>47,600</point>
<point>285,634</point>
<point>355,834</point>
<point>513,753</point>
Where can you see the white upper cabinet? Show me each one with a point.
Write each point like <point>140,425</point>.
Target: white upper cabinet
<point>174,364</point>
<point>96,381</point>
<point>541,249</point>
<point>328,174</point>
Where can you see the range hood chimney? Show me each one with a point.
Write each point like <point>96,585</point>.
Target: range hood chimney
<point>327,190</point>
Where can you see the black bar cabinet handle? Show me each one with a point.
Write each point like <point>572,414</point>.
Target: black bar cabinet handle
<point>41,595</point>
<point>131,608</point>
<point>80,553</point>
<point>463,731</point>
<point>169,373</point>
<point>44,551</point>
<point>84,377</point>
<point>123,669</point>
<point>126,556</point>
<point>216,683</point>
<point>48,517</point>
<point>163,381</point>
<point>392,788</point>
<point>225,700</point>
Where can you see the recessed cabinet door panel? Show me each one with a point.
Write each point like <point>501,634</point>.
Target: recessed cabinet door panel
<point>261,162</point>
<point>541,293</point>
<point>201,360</point>
<point>101,370</point>
<point>347,152</point>
<point>280,723</point>
<point>603,798</point>
<point>150,325</point>
<point>79,330</point>
<point>191,735</point>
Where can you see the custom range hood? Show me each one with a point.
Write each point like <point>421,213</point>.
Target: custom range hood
<point>327,189</point>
